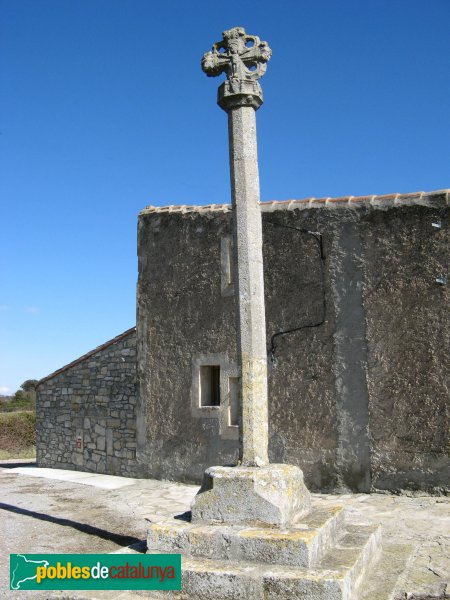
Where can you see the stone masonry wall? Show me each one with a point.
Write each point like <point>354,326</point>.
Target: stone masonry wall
<point>357,393</point>
<point>358,387</point>
<point>86,412</point>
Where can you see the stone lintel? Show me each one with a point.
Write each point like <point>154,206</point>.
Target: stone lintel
<point>270,496</point>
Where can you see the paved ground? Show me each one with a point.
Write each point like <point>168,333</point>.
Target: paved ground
<point>49,510</point>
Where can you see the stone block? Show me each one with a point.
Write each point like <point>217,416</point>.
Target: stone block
<point>273,495</point>
<point>99,429</point>
<point>109,441</point>
<point>77,459</point>
<point>301,585</point>
<point>220,582</point>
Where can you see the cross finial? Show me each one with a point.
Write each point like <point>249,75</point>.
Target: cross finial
<point>244,59</point>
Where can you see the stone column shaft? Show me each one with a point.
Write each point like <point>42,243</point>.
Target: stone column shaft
<point>250,318</point>
<point>255,493</point>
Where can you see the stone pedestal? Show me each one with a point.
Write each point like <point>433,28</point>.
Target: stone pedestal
<point>269,496</point>
<point>321,557</point>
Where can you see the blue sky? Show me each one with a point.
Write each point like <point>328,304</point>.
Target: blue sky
<point>105,110</point>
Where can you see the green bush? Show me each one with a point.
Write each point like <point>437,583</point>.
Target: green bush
<point>20,401</point>
<point>17,433</point>
<point>23,399</point>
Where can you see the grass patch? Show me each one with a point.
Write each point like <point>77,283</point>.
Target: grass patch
<point>25,453</point>
<point>17,435</point>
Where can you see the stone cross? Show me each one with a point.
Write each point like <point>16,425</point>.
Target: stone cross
<point>254,493</point>
<point>243,58</point>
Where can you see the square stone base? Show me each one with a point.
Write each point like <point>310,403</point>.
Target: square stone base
<point>269,496</point>
<point>322,558</point>
<point>302,546</point>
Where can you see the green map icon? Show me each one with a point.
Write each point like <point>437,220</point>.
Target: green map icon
<point>23,569</point>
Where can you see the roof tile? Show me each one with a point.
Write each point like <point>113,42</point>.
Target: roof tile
<point>382,201</point>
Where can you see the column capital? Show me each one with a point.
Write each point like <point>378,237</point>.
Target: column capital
<point>243,58</point>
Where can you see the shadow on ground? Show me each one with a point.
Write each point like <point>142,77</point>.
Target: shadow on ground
<point>120,540</point>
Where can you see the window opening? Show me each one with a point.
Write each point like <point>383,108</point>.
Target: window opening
<point>210,385</point>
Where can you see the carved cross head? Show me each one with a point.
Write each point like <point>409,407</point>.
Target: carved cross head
<point>242,57</point>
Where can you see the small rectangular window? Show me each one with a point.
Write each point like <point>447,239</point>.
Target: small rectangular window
<point>210,385</point>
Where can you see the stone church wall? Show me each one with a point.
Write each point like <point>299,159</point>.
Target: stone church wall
<point>86,412</point>
<point>358,388</point>
<point>358,401</point>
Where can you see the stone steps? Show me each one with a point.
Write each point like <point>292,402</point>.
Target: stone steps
<point>392,562</point>
<point>336,576</point>
<point>302,546</point>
